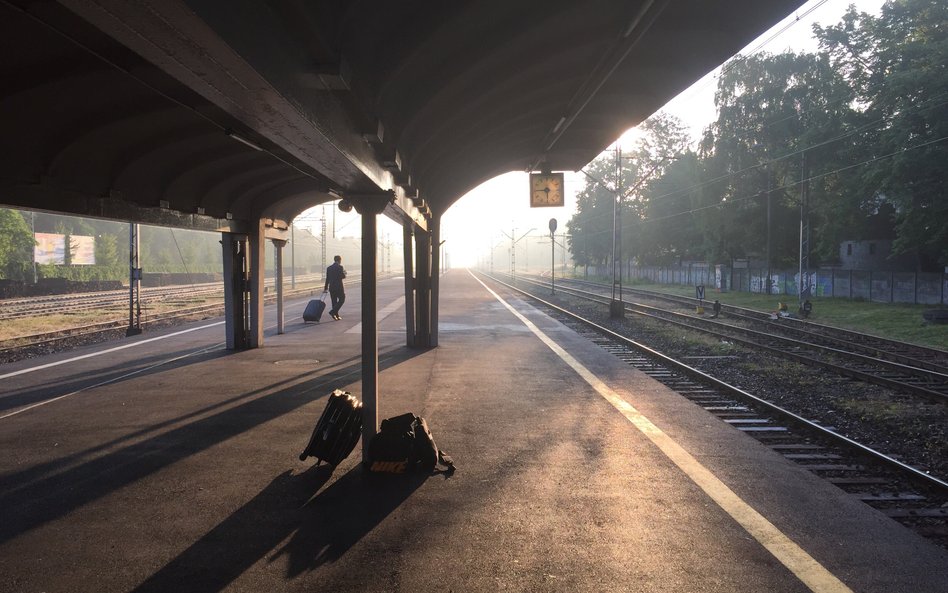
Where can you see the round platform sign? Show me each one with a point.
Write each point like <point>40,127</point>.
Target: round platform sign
<point>552,225</point>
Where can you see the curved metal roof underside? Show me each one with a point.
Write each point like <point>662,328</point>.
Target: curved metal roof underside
<point>122,109</point>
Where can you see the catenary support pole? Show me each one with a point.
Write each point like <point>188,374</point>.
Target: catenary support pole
<point>803,289</point>
<point>293,256</point>
<point>134,282</point>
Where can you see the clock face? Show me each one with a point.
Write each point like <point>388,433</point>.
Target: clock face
<point>546,189</point>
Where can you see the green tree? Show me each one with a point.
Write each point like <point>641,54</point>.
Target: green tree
<point>64,228</point>
<point>106,251</point>
<point>590,228</point>
<point>896,63</point>
<point>781,119</point>
<point>16,246</point>
<point>671,230</point>
<point>622,177</point>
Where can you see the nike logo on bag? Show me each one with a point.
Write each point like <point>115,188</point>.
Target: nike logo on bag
<point>392,467</point>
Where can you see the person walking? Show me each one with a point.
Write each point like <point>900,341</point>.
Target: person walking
<point>337,292</point>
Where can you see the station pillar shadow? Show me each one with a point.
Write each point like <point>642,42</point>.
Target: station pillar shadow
<point>322,527</point>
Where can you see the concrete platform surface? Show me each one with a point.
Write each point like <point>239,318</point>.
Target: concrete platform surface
<point>172,467</point>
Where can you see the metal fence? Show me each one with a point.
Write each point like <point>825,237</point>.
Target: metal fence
<point>874,286</point>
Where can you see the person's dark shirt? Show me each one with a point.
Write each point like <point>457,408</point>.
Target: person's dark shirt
<point>334,275</point>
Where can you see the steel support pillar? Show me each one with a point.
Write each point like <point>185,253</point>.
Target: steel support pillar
<point>278,281</point>
<point>408,239</point>
<point>236,301</point>
<point>369,207</point>
<point>435,226</point>
<point>257,254</point>
<point>423,244</point>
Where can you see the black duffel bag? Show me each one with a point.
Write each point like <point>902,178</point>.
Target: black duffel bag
<point>404,444</point>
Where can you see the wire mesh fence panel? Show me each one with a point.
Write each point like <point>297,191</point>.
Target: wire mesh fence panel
<point>874,286</point>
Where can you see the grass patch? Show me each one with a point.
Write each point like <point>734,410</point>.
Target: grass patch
<point>691,338</point>
<point>895,321</point>
<point>15,328</point>
<point>877,410</point>
<point>11,329</point>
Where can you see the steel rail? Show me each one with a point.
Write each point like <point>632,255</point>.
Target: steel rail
<point>935,387</point>
<point>15,344</point>
<point>77,302</point>
<point>877,345</point>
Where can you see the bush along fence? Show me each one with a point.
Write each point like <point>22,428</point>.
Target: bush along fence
<point>867,285</point>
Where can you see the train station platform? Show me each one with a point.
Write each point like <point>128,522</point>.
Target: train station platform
<point>172,466</point>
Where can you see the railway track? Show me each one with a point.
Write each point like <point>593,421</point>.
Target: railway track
<point>114,299</point>
<point>906,494</point>
<point>876,346</point>
<point>886,363</point>
<point>175,311</point>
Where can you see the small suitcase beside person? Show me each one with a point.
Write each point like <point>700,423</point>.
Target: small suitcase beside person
<point>314,310</point>
<point>337,431</point>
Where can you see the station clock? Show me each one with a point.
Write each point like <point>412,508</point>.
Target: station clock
<point>546,189</point>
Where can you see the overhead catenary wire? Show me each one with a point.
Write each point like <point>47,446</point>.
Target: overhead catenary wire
<point>738,200</point>
<point>181,255</point>
<point>733,62</point>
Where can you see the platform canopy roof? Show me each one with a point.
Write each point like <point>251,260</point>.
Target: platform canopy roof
<point>216,113</point>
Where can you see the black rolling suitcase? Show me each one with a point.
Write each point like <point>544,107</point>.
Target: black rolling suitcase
<point>314,310</point>
<point>337,431</point>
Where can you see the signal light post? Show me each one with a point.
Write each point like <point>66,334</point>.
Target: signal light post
<point>552,256</point>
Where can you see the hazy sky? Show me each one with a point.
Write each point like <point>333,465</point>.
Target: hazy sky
<point>472,225</point>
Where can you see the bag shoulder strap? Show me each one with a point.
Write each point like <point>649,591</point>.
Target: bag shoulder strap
<point>445,460</point>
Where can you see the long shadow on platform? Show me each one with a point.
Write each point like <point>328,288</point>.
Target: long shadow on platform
<point>322,529</point>
<point>49,498</point>
<point>18,480</point>
<point>131,369</point>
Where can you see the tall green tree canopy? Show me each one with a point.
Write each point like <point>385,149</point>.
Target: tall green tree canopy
<point>861,125</point>
<point>897,65</point>
<point>620,177</point>
<point>16,245</point>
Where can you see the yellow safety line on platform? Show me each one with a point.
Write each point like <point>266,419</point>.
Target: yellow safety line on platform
<point>813,574</point>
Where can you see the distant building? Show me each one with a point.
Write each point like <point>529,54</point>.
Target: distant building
<point>875,254</point>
